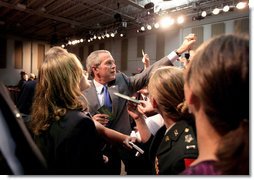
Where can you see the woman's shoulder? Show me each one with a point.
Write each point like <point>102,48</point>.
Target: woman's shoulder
<point>78,116</point>
<point>72,119</point>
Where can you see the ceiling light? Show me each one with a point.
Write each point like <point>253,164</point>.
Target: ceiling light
<point>204,13</point>
<point>216,11</point>
<point>142,28</point>
<point>156,25</point>
<point>180,19</point>
<point>149,27</point>
<point>166,22</point>
<point>226,8</point>
<point>241,5</point>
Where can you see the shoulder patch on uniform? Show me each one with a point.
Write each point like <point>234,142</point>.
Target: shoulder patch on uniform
<point>191,147</point>
<point>188,138</point>
<point>176,132</point>
<point>167,138</point>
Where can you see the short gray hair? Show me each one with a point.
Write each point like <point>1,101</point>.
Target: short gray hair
<point>93,60</point>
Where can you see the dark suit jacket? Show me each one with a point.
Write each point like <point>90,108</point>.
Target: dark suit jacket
<point>124,85</point>
<point>25,99</point>
<point>71,146</point>
<point>171,152</point>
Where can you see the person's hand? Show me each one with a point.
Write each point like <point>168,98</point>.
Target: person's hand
<point>187,44</point>
<point>146,108</point>
<point>132,110</point>
<point>105,159</point>
<point>127,140</point>
<point>146,61</point>
<point>101,118</point>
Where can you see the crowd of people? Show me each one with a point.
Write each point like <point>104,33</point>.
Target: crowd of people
<point>186,121</point>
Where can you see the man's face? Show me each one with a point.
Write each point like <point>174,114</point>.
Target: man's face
<point>106,71</point>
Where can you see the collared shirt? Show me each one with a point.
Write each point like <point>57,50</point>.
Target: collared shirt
<point>172,56</point>
<point>169,128</point>
<point>99,88</point>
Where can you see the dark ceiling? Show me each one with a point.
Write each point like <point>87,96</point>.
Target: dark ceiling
<point>58,20</point>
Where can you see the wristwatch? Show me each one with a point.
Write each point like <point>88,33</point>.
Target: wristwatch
<point>178,54</point>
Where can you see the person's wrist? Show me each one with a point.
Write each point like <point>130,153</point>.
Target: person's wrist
<point>178,53</point>
<point>137,118</point>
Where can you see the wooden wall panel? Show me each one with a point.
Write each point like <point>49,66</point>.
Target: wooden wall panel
<point>41,54</point>
<point>218,29</point>
<point>101,46</point>
<point>242,26</point>
<point>124,54</point>
<point>160,46</point>
<point>18,48</point>
<point>199,32</point>
<point>90,49</point>
<point>140,45</point>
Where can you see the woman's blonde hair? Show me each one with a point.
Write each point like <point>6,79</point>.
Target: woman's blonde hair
<point>57,89</point>
<point>166,87</point>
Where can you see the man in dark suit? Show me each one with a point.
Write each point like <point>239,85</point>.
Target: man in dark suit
<point>25,99</point>
<point>102,68</point>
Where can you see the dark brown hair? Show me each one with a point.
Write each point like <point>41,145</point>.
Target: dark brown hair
<point>219,76</point>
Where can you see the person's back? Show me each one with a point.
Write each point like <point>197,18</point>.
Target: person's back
<point>26,96</point>
<point>66,136</point>
<point>71,145</point>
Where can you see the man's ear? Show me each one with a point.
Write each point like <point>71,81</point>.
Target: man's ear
<point>94,69</point>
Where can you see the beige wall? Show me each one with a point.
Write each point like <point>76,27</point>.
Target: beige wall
<point>173,38</point>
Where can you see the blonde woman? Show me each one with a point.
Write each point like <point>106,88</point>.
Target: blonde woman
<point>65,134</point>
<point>174,145</point>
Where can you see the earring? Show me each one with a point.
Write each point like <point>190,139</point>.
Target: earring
<point>189,110</point>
